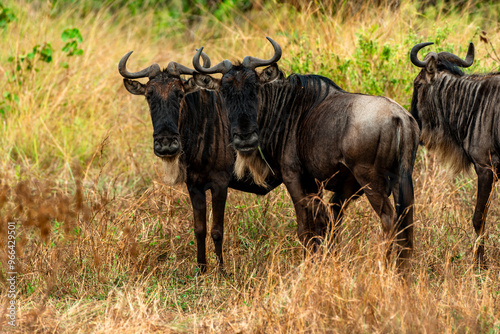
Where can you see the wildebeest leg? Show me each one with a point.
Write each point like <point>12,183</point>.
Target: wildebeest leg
<point>219,196</point>
<point>199,203</point>
<point>337,206</point>
<point>485,181</point>
<point>339,201</point>
<point>375,188</point>
<point>404,219</point>
<point>305,225</point>
<point>320,218</point>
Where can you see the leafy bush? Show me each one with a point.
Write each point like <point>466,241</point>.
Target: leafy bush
<point>6,16</point>
<point>72,37</point>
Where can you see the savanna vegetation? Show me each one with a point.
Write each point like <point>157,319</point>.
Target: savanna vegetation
<point>103,246</point>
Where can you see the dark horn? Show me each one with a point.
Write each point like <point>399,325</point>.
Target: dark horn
<point>177,69</point>
<point>206,59</point>
<point>221,67</point>
<point>149,72</point>
<point>469,59</point>
<point>252,62</point>
<point>413,54</point>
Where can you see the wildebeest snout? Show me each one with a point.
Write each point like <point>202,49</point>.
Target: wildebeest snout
<point>248,141</point>
<point>166,146</point>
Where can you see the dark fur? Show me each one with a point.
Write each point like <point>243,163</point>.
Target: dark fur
<point>207,160</point>
<point>310,130</point>
<point>459,117</point>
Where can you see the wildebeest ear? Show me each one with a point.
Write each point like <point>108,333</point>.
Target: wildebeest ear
<point>134,87</point>
<point>190,86</point>
<point>269,74</point>
<point>206,81</point>
<point>431,66</point>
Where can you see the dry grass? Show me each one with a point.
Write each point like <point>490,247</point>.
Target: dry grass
<point>104,247</point>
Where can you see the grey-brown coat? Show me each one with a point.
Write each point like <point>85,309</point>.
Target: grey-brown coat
<point>459,117</point>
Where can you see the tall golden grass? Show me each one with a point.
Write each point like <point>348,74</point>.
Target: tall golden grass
<point>103,246</point>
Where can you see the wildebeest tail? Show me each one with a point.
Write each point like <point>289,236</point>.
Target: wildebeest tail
<point>407,141</point>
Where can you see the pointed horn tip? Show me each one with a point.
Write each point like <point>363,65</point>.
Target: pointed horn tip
<point>417,47</point>
<point>273,42</point>
<point>127,55</point>
<point>424,44</point>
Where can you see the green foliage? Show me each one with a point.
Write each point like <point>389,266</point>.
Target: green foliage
<point>39,53</point>
<point>72,37</point>
<point>374,68</point>
<point>44,52</point>
<point>6,16</point>
<point>6,104</point>
<point>219,9</point>
<point>225,9</point>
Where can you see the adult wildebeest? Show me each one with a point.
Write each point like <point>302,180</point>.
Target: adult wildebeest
<point>459,117</point>
<point>308,129</point>
<point>191,136</point>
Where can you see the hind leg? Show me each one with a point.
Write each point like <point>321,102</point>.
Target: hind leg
<point>486,178</point>
<point>404,222</point>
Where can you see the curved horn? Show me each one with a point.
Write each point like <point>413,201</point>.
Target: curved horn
<point>174,68</point>
<point>206,59</point>
<point>177,69</point>
<point>413,54</point>
<point>148,72</point>
<point>252,62</point>
<point>221,67</point>
<point>469,59</point>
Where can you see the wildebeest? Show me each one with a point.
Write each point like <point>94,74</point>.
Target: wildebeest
<point>459,117</point>
<point>307,129</point>
<point>191,136</point>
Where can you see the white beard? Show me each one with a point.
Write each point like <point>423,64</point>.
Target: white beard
<point>173,173</point>
<point>254,163</point>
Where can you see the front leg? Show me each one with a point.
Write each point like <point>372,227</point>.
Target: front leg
<point>199,203</point>
<point>219,196</point>
<point>305,215</point>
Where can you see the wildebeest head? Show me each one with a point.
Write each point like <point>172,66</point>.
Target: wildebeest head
<point>433,66</point>
<point>164,92</point>
<point>240,86</point>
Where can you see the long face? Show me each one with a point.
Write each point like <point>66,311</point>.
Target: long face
<point>165,96</point>
<point>165,92</point>
<point>433,66</point>
<point>239,86</point>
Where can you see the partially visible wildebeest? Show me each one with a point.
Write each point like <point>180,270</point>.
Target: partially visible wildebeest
<point>459,118</point>
<point>308,129</point>
<point>191,136</point>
